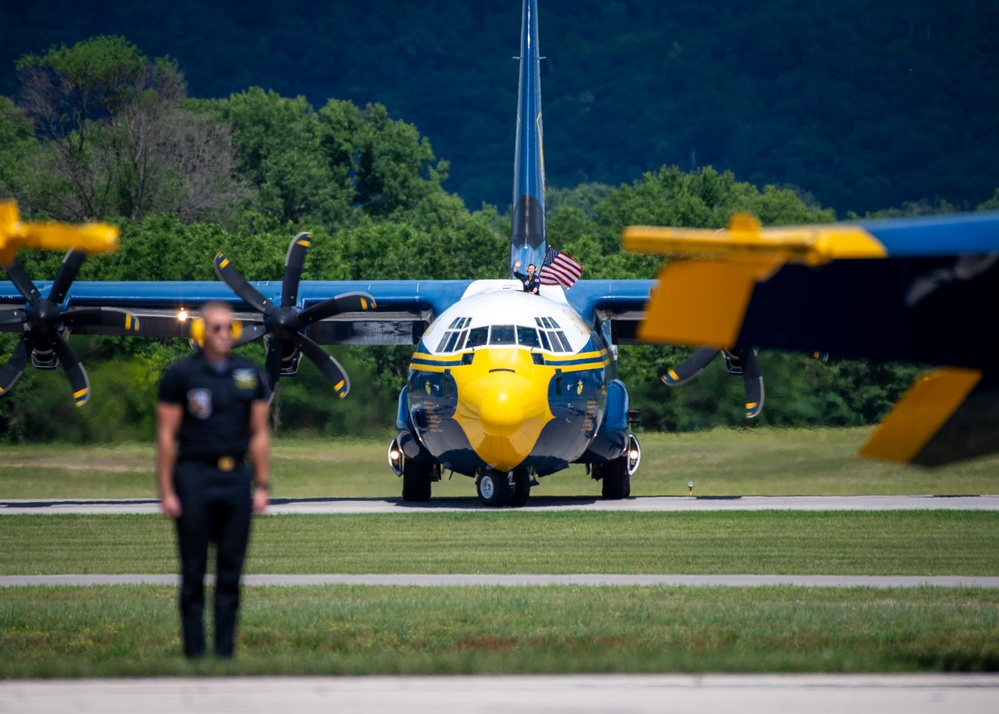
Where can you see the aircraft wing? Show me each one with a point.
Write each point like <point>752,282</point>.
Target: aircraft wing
<point>915,290</point>
<point>620,304</point>
<point>403,308</point>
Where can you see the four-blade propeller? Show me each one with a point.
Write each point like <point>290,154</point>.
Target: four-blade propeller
<point>46,323</point>
<point>284,326</point>
<point>742,362</point>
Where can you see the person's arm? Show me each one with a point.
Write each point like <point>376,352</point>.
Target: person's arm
<point>260,441</point>
<point>168,419</point>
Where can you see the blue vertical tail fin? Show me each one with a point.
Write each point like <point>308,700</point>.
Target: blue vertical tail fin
<point>529,237</point>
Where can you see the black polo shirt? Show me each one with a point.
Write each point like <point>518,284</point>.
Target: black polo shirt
<point>216,405</point>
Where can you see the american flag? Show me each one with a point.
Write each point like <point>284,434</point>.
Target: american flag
<point>559,268</point>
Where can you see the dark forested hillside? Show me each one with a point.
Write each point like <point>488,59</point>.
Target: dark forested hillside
<point>863,105</point>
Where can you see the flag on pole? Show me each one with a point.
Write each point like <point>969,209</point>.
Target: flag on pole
<point>559,268</point>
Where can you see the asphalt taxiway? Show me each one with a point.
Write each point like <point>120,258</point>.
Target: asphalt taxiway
<point>288,506</point>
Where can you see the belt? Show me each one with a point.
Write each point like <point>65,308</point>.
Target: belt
<point>222,463</point>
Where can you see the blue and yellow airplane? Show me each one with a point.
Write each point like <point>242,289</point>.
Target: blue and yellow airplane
<point>504,386</point>
<point>915,290</point>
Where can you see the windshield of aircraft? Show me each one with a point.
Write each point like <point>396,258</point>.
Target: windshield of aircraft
<point>547,334</point>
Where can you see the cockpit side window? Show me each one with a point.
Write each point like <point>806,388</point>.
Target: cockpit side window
<point>551,336</point>
<point>502,335</point>
<point>454,338</point>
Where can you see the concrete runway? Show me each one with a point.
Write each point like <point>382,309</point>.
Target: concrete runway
<point>288,506</point>
<point>622,694</point>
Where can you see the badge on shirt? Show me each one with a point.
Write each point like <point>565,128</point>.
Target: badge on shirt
<point>245,378</point>
<point>199,403</point>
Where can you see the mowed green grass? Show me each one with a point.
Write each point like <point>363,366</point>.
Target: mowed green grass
<point>131,630</point>
<point>764,542</point>
<point>721,462</point>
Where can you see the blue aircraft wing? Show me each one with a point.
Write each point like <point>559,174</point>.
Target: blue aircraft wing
<point>916,290</point>
<point>403,308</point>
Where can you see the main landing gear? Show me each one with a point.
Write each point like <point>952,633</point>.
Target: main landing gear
<point>615,475</point>
<point>418,471</point>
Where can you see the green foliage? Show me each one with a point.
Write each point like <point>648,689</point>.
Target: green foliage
<point>116,139</point>
<point>389,166</point>
<point>186,179</point>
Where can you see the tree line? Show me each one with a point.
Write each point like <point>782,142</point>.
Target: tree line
<point>865,105</point>
<point>99,131</point>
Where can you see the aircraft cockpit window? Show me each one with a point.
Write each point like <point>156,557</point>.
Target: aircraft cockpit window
<point>502,335</point>
<point>527,336</point>
<point>565,342</point>
<point>478,336</point>
<point>544,340</point>
<point>454,337</point>
<point>452,341</point>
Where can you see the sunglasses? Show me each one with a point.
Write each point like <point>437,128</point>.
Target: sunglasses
<point>219,327</point>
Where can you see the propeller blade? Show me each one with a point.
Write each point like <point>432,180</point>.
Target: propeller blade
<point>272,368</point>
<point>13,317</point>
<point>348,302</point>
<point>691,368</point>
<point>74,370</point>
<point>250,333</point>
<point>22,282</point>
<point>237,283</point>
<point>326,364</point>
<point>753,380</point>
<point>293,263</point>
<point>12,371</point>
<point>66,275</point>
<point>106,316</point>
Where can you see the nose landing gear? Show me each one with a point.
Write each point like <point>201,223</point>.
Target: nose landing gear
<point>496,488</point>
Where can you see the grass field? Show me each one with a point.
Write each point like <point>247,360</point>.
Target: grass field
<point>720,462</point>
<point>126,630</point>
<point>762,542</point>
<point>133,631</point>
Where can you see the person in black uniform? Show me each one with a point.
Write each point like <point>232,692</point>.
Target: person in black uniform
<point>212,470</point>
<point>531,281</point>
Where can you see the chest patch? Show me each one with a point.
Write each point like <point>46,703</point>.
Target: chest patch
<point>245,378</point>
<point>199,403</point>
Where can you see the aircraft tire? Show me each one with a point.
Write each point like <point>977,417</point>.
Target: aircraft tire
<point>493,489</point>
<point>521,490</point>
<point>416,483</point>
<point>616,481</point>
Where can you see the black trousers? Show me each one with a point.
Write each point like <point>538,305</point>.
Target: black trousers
<point>215,507</point>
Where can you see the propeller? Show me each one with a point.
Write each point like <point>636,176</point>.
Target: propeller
<point>285,325</point>
<point>742,362</point>
<point>46,324</point>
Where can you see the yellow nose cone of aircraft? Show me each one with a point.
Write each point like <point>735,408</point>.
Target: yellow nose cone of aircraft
<point>502,405</point>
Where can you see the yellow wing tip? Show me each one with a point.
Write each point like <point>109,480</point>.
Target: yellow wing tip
<point>920,414</point>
